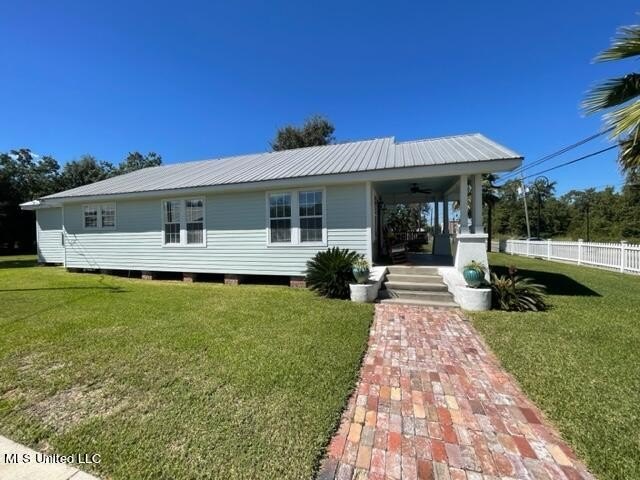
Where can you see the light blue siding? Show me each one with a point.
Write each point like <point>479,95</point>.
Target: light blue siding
<point>236,236</point>
<point>49,235</point>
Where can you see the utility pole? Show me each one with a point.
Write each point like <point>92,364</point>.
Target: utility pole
<point>540,183</point>
<point>526,209</point>
<point>588,233</point>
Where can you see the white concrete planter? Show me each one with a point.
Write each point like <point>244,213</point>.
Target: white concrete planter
<point>368,292</point>
<point>474,299</point>
<point>360,292</point>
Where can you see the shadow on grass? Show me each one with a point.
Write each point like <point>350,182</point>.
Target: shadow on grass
<point>556,283</point>
<point>17,263</point>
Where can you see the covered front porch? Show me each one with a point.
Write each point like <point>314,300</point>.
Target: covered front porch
<point>437,239</point>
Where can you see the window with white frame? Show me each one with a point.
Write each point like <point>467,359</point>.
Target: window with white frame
<point>90,216</point>
<point>310,206</point>
<point>99,216</point>
<point>296,217</point>
<point>183,222</point>
<point>172,222</point>
<point>108,216</point>
<point>280,217</point>
<point>195,221</point>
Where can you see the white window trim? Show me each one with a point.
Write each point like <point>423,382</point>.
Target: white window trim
<point>295,218</point>
<point>98,207</point>
<point>183,223</point>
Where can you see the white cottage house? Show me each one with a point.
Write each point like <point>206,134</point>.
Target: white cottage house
<point>267,213</point>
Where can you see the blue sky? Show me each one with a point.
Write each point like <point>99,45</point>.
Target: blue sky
<point>193,80</point>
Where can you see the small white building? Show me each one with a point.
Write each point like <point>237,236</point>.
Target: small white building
<point>267,213</point>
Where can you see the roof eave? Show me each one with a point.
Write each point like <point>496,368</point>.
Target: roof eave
<point>41,203</point>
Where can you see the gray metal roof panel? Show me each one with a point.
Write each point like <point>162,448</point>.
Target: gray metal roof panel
<point>366,155</point>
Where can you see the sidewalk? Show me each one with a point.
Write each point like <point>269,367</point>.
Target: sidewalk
<point>26,467</point>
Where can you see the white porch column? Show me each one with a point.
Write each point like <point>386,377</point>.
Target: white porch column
<point>471,246</point>
<point>477,203</point>
<point>445,215</point>
<point>436,217</point>
<point>464,218</point>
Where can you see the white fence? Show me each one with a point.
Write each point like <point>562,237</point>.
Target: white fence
<point>622,257</point>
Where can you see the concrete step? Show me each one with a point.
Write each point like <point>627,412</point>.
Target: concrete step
<point>413,278</point>
<point>432,286</point>
<point>420,295</point>
<point>422,303</point>
<point>412,270</point>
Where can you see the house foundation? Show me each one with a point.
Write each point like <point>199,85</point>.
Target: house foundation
<point>297,282</point>
<point>189,277</point>
<point>232,279</point>
<point>148,275</point>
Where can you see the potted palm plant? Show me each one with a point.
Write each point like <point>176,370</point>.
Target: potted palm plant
<point>473,274</point>
<point>360,269</point>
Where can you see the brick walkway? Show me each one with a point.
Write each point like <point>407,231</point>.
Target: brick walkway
<point>432,402</point>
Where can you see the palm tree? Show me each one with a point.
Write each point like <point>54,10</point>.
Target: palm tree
<point>489,198</point>
<point>543,190</point>
<point>619,97</point>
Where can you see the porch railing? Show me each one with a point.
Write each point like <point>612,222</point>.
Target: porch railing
<point>409,236</point>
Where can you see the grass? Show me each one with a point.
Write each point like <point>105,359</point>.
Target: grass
<point>167,380</point>
<point>579,361</point>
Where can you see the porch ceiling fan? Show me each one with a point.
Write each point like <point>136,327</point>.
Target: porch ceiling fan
<point>415,188</point>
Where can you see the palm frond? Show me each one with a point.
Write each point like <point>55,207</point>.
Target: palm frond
<point>612,92</point>
<point>626,44</point>
<point>625,119</point>
<point>629,156</point>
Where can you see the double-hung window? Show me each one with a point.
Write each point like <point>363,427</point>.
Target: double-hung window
<point>195,221</point>
<point>183,222</point>
<point>99,216</point>
<point>296,217</point>
<point>108,216</point>
<point>310,205</point>
<point>280,217</point>
<point>172,222</point>
<point>91,216</point>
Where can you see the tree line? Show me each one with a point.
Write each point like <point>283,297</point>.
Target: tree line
<point>604,215</point>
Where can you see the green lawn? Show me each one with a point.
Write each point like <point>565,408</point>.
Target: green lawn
<point>169,380</point>
<point>580,361</point>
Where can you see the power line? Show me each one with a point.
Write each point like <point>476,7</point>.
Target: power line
<point>575,160</point>
<point>555,154</point>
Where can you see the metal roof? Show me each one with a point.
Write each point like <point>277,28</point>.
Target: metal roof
<point>362,156</point>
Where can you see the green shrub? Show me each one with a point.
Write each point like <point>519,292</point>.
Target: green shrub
<point>476,267</point>
<point>514,293</point>
<point>361,263</point>
<point>329,272</point>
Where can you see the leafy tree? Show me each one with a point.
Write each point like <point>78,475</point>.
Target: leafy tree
<point>405,218</point>
<point>23,177</point>
<point>620,98</point>
<point>630,206</point>
<point>136,161</point>
<point>509,212</point>
<point>83,171</point>
<point>315,131</point>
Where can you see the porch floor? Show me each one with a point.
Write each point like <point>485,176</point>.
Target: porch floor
<point>423,259</point>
